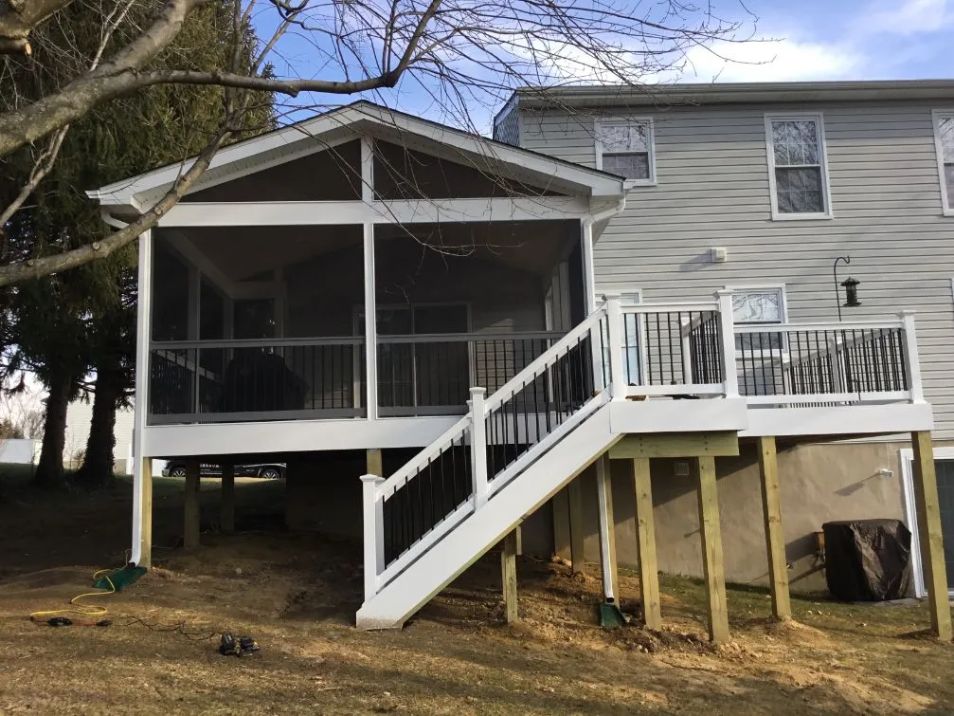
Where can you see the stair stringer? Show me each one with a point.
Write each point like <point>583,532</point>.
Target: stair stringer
<point>475,536</point>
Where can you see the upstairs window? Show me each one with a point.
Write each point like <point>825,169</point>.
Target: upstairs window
<point>625,147</point>
<point>944,140</point>
<point>798,175</point>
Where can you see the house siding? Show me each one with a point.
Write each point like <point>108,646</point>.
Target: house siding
<point>713,191</point>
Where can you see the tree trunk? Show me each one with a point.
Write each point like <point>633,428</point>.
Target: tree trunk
<point>49,471</point>
<point>97,469</point>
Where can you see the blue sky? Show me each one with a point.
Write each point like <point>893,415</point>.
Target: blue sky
<point>840,39</point>
<point>804,40</point>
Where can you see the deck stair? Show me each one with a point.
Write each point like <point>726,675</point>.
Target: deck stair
<point>515,449</point>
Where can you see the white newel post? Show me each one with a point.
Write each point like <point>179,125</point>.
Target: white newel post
<point>478,445</point>
<point>373,533</point>
<point>727,323</point>
<point>912,362</point>
<point>685,329</point>
<point>614,329</point>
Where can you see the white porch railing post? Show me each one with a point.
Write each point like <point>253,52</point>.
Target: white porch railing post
<point>685,328</point>
<point>727,323</point>
<point>614,329</point>
<point>912,362</point>
<point>373,533</point>
<point>478,445</point>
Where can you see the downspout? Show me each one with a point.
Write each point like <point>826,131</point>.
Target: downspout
<point>587,227</point>
<point>111,220</point>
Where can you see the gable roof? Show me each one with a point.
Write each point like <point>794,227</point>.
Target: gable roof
<point>349,122</point>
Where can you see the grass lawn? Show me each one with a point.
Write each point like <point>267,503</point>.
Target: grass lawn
<point>296,593</point>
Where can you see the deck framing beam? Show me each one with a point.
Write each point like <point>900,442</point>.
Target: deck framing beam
<point>676,445</point>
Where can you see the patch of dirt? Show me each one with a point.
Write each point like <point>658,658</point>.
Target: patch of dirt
<point>296,595</point>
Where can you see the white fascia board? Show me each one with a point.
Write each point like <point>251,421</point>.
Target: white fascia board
<point>594,183</point>
<point>841,420</point>
<point>311,213</point>
<point>292,436</point>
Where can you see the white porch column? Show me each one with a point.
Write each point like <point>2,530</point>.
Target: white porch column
<point>370,325</point>
<point>142,502</point>
<point>727,322</point>
<point>589,273</point>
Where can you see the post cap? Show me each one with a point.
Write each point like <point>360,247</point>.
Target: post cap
<point>376,479</point>
<point>724,292</point>
<point>478,391</point>
<point>906,312</point>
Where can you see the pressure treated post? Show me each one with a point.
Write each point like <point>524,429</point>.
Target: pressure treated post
<point>929,529</point>
<point>227,518</point>
<point>191,514</point>
<point>712,564</point>
<point>646,544</point>
<point>508,576</point>
<point>145,513</point>
<point>774,534</point>
<point>560,505</point>
<point>574,495</point>
<point>604,494</point>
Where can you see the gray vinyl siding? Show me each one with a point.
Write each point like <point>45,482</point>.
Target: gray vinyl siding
<point>713,190</point>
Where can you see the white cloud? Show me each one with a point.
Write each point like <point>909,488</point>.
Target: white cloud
<point>776,60</point>
<point>907,18</point>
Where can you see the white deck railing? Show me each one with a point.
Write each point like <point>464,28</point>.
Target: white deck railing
<point>631,352</point>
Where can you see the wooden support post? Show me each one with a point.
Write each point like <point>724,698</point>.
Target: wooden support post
<point>508,576</point>
<point>191,515</point>
<point>646,544</point>
<point>374,460</point>
<point>774,535</point>
<point>145,515</point>
<point>227,518</point>
<point>931,539</point>
<point>604,494</point>
<point>560,507</point>
<point>712,564</point>
<point>574,495</point>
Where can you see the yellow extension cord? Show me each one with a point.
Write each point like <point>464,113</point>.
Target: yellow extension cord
<point>76,607</point>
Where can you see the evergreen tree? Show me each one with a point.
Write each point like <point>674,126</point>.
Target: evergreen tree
<point>67,325</point>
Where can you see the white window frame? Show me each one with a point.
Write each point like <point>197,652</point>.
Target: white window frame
<point>936,114</point>
<point>770,152</point>
<point>651,136</point>
<point>765,288</point>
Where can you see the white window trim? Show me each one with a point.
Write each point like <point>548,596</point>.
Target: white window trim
<point>762,286</point>
<point>946,207</point>
<point>629,183</point>
<point>770,153</point>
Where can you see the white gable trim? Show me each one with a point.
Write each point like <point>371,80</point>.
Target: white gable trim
<point>345,124</point>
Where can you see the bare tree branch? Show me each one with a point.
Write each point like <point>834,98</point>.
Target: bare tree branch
<point>17,20</point>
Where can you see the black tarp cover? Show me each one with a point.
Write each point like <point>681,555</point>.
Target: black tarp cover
<point>867,560</point>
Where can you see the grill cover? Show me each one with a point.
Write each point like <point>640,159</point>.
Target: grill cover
<point>867,560</point>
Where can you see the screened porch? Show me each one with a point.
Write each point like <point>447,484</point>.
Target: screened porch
<point>268,323</point>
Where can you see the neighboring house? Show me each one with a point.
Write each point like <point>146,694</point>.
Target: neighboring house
<point>485,266</point>
<point>78,416</point>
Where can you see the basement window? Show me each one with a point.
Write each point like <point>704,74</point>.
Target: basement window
<point>625,147</point>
